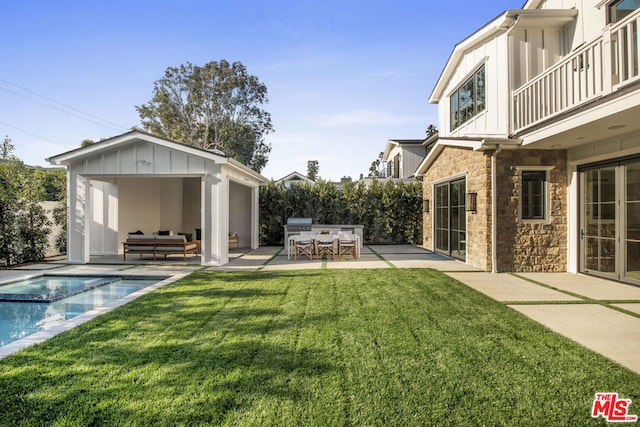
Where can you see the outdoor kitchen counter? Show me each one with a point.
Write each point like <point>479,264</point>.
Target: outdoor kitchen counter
<point>330,228</point>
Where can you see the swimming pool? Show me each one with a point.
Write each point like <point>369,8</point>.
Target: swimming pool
<point>71,296</point>
<point>50,288</point>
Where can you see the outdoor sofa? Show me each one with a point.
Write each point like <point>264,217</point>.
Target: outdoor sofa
<point>150,244</point>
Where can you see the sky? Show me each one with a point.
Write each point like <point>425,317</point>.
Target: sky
<point>343,76</point>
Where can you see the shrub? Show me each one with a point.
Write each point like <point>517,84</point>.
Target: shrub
<point>24,227</point>
<point>390,212</point>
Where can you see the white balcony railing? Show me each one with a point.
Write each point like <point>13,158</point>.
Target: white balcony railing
<point>593,70</point>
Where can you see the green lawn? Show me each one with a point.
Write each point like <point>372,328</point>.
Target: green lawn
<point>317,347</point>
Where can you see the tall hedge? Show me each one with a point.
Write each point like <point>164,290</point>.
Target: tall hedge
<point>24,227</point>
<point>391,212</point>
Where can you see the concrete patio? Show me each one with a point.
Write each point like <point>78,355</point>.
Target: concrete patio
<point>599,314</point>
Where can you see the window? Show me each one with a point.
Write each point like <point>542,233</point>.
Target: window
<point>620,9</point>
<point>533,194</point>
<point>396,166</point>
<point>469,99</point>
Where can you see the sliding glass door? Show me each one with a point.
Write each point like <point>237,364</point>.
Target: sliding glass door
<point>450,222</point>
<point>599,226</point>
<point>632,221</point>
<point>610,220</point>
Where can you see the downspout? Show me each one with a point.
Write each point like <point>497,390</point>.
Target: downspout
<point>494,210</point>
<point>509,25</point>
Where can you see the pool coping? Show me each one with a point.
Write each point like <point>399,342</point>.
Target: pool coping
<point>41,336</point>
<point>42,298</point>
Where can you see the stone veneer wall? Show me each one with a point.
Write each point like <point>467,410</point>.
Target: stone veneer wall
<point>531,247</point>
<point>521,246</point>
<point>476,166</point>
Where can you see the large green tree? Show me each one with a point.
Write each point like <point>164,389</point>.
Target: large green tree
<point>215,106</point>
<point>375,170</point>
<point>313,168</point>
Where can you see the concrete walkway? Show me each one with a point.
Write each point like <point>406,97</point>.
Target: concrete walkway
<point>599,314</point>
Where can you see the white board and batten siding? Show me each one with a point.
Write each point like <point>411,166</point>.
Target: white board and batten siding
<point>175,187</point>
<point>144,158</point>
<point>494,120</point>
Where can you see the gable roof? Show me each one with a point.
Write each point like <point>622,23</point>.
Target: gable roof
<point>131,137</point>
<point>392,143</point>
<point>294,176</point>
<point>483,144</point>
<point>501,24</point>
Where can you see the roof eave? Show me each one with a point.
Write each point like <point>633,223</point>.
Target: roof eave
<point>532,4</point>
<point>391,144</point>
<point>479,144</point>
<point>498,25</point>
<point>247,170</point>
<point>65,159</point>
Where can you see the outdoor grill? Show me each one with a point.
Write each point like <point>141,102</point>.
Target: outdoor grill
<point>297,225</point>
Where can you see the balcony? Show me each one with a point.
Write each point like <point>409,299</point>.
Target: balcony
<point>590,72</point>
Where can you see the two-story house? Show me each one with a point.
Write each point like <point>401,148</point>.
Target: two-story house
<point>537,163</point>
<point>402,157</point>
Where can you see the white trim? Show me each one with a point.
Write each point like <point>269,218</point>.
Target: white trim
<point>246,170</point>
<point>470,75</point>
<point>463,80</point>
<point>290,178</point>
<point>492,29</point>
<point>439,146</point>
<point>391,144</point>
<point>476,144</point>
<point>498,25</point>
<point>572,218</point>
<point>454,177</point>
<point>547,194</point>
<point>532,4</point>
<point>93,150</point>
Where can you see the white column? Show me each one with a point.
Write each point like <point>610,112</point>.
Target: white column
<point>255,212</point>
<point>608,64</point>
<point>215,219</point>
<point>573,211</point>
<point>78,196</point>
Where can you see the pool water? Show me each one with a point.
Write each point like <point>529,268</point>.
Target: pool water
<point>50,288</point>
<point>19,319</point>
